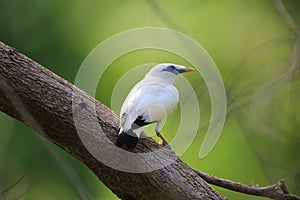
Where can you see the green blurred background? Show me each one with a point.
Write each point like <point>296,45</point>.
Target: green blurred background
<point>250,42</point>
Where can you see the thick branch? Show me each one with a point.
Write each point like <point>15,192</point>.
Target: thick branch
<point>43,101</point>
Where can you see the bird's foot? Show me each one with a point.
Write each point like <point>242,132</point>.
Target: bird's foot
<point>163,142</point>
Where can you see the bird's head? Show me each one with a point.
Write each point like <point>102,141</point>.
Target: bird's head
<point>167,71</point>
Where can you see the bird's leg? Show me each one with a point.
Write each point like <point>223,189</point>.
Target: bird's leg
<point>162,139</point>
<point>157,130</point>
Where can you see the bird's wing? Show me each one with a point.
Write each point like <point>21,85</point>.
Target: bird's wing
<point>127,116</point>
<point>150,100</point>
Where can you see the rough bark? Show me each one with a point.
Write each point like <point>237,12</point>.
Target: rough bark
<point>43,101</point>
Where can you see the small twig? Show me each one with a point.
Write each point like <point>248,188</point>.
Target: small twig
<point>12,186</point>
<point>288,19</point>
<point>164,15</point>
<point>283,187</point>
<point>277,191</point>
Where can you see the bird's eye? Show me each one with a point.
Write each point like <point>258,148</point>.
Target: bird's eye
<point>172,66</point>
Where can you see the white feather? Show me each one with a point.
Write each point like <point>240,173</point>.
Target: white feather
<point>153,98</point>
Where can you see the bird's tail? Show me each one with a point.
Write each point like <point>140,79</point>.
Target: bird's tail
<point>129,140</point>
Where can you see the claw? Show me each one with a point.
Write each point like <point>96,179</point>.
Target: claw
<point>162,142</point>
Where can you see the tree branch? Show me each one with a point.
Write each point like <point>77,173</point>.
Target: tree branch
<point>43,101</point>
<point>271,191</point>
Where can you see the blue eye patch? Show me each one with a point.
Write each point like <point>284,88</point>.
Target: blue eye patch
<point>172,69</point>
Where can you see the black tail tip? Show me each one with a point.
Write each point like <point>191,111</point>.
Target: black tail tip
<point>129,140</point>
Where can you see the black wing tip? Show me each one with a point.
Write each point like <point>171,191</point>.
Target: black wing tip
<point>129,140</point>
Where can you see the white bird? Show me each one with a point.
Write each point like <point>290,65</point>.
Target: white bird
<point>149,101</point>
